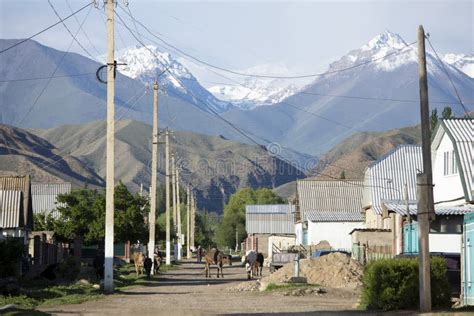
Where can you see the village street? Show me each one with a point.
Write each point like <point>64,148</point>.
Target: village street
<point>187,292</point>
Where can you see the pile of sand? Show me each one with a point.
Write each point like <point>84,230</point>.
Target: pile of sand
<point>335,270</point>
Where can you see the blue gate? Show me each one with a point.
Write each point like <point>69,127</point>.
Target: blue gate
<point>468,259</point>
<point>410,238</point>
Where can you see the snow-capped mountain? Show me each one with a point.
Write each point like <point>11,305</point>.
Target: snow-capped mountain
<point>253,92</point>
<point>372,88</point>
<point>465,63</point>
<point>148,63</point>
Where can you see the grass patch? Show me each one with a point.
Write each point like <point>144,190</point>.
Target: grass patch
<point>290,286</point>
<point>41,292</point>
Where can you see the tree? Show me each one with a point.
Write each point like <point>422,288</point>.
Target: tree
<point>434,119</point>
<point>447,113</point>
<point>234,213</point>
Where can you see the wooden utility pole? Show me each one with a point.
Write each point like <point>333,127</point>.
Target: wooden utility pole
<point>110,185</point>
<point>188,224</point>
<point>424,182</point>
<point>154,163</point>
<point>167,198</point>
<point>178,213</point>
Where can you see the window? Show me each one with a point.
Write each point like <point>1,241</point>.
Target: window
<point>450,165</point>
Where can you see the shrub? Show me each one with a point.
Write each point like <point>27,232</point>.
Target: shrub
<point>11,251</point>
<point>392,284</point>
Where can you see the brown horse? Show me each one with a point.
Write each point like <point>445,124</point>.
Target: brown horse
<point>214,256</point>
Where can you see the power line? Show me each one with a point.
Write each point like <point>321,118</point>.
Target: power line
<point>46,29</point>
<point>54,72</point>
<point>449,77</point>
<point>69,31</point>
<point>83,31</point>
<point>52,77</point>
<point>396,52</point>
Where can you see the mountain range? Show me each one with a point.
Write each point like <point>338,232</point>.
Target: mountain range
<point>365,90</point>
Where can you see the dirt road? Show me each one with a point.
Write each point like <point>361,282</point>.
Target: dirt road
<point>187,292</point>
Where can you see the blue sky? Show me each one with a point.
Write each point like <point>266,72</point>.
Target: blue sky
<point>297,36</point>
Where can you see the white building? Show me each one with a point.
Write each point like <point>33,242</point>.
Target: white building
<point>330,210</point>
<point>452,155</point>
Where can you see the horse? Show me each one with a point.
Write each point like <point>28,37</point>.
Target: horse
<point>218,258</point>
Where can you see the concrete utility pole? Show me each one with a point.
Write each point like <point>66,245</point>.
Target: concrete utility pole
<point>175,217</point>
<point>167,193</point>
<point>193,217</point>
<point>154,163</point>
<point>178,212</point>
<point>188,224</point>
<point>424,182</point>
<point>110,185</point>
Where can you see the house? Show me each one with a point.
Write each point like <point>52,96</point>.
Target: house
<point>452,156</point>
<point>329,210</point>
<point>388,178</point>
<point>269,226</point>
<point>16,215</point>
<point>45,195</point>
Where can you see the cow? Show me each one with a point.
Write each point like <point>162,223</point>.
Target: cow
<point>214,256</point>
<point>139,260</point>
<point>253,262</point>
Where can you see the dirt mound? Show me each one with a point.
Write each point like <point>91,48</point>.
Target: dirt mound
<point>335,270</point>
<point>250,286</point>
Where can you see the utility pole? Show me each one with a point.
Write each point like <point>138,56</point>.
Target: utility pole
<point>188,224</point>
<point>424,182</point>
<point>154,162</point>
<point>178,212</point>
<point>236,239</point>
<point>173,186</point>
<point>110,185</point>
<point>167,193</point>
<point>407,203</point>
<point>193,219</point>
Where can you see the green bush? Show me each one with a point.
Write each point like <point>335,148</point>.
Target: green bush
<point>392,284</point>
<point>11,251</point>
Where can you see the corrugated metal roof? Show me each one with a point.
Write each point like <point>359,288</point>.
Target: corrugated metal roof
<point>270,219</point>
<point>270,208</point>
<point>44,197</point>
<point>331,216</point>
<point>10,209</point>
<point>385,178</point>
<point>20,183</point>
<point>400,208</point>
<point>330,196</point>
<point>461,133</point>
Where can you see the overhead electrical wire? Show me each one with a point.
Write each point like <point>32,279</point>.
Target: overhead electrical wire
<point>449,77</point>
<point>52,74</point>
<point>46,29</point>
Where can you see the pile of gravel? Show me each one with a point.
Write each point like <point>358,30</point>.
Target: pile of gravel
<point>249,286</point>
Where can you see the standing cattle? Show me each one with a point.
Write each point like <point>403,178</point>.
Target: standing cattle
<point>139,260</point>
<point>157,263</point>
<point>214,256</point>
<point>253,262</point>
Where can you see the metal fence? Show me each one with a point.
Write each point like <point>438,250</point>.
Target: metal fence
<point>365,254</point>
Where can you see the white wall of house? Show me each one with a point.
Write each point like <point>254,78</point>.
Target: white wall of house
<point>336,233</point>
<point>445,243</point>
<point>446,179</point>
<point>299,233</point>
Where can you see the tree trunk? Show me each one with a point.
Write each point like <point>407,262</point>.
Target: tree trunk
<point>78,248</point>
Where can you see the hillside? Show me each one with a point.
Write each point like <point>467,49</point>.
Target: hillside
<point>215,166</point>
<point>355,153</point>
<point>24,153</point>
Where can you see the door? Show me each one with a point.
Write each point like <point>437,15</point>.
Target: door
<point>410,238</point>
<point>468,259</point>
